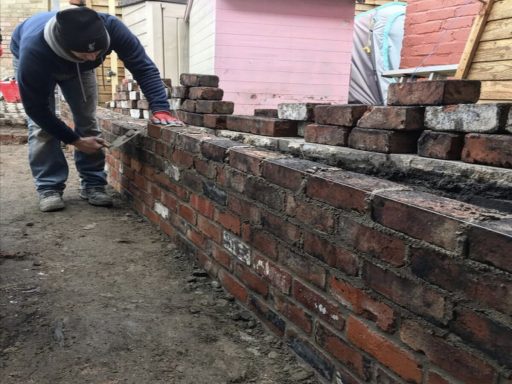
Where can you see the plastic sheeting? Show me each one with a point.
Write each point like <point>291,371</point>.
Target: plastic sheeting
<point>378,36</point>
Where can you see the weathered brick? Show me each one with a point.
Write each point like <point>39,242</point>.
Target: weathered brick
<point>245,209</point>
<point>438,92</point>
<point>209,229</point>
<point>467,118</point>
<point>154,131</point>
<point>267,194</point>
<point>362,304</point>
<point>491,242</point>
<point>189,106</point>
<point>495,150</point>
<point>187,213</point>
<point>297,111</point>
<point>202,205</point>
<point>383,141</point>
<point>228,221</point>
<point>250,159</point>
<point>218,107</point>
<point>251,280</point>
<point>233,179</point>
<point>237,247</point>
<point>346,115</point>
<point>280,228</point>
<point>396,118</point>
<point>310,354</point>
<point>272,273</point>
<point>427,217</point>
<point>293,312</point>
<point>265,126</point>
<point>205,168</point>
<point>266,112</point>
<point>302,267</point>
<point>484,334</point>
<point>222,257</point>
<point>327,134</point>
<point>332,255</point>
<point>436,378</point>
<point>214,193</point>
<point>199,80</point>
<point>287,173</point>
<point>205,93</point>
<point>489,289</point>
<point>456,361</point>
<point>371,241</point>
<point>233,286</point>
<point>408,293</point>
<point>342,351</point>
<point>215,121</point>
<point>192,181</point>
<point>179,92</point>
<point>440,145</point>
<point>389,353</point>
<point>271,319</point>
<point>195,119</point>
<point>196,237</point>
<point>343,189</point>
<point>322,220</point>
<point>217,150</point>
<point>265,243</point>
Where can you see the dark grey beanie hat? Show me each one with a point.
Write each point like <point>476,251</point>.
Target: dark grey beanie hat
<point>81,30</point>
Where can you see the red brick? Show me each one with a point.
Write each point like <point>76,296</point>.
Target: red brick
<point>251,280</point>
<point>167,228</point>
<point>155,191</point>
<point>342,351</point>
<point>323,219</point>
<point>202,205</point>
<point>346,115</point>
<point>427,217</point>
<point>219,107</point>
<point>214,121</point>
<point>293,312</point>
<point>266,112</point>
<point>438,92</point>
<point>217,150</point>
<point>396,118</point>
<point>189,106</point>
<point>249,160</point>
<point>491,242</point>
<point>282,229</point>
<point>440,145</point>
<point>264,243</point>
<point>408,293</point>
<point>244,209</point>
<point>195,119</point>
<point>287,173</point>
<point>485,334</point>
<point>457,362</point>
<point>154,131</point>
<point>237,181</point>
<point>330,254</point>
<point>489,289</point>
<point>272,273</point>
<point>196,238</point>
<point>205,93</point>
<point>233,286</point>
<point>488,149</point>
<point>343,189</point>
<point>384,141</point>
<point>436,378</point>
<point>161,149</point>
<point>303,267</point>
<point>222,257</point>
<point>198,80</point>
<point>183,159</point>
<point>187,213</point>
<point>326,134</point>
<point>209,265</point>
<point>228,221</point>
<point>205,168</point>
<point>271,319</point>
<point>325,309</point>
<point>371,241</point>
<point>209,229</point>
<point>392,355</point>
<point>151,215</point>
<point>362,304</point>
<point>265,126</point>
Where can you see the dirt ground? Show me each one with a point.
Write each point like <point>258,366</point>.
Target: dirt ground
<point>97,295</point>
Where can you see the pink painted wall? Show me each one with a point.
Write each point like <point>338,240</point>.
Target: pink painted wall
<point>274,51</point>
<point>436,31</point>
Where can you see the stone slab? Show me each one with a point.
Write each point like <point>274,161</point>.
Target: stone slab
<point>297,111</point>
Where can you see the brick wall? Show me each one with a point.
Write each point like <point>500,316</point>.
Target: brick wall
<point>436,28</point>
<point>366,280</point>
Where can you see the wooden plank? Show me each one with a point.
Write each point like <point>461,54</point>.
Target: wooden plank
<point>500,90</point>
<point>496,70</point>
<point>502,9</point>
<point>497,30</point>
<point>494,51</point>
<point>473,40</point>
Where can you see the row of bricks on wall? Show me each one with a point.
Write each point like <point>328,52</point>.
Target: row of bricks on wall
<point>298,243</point>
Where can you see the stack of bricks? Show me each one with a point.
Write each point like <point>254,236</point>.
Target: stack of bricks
<point>130,101</point>
<point>302,113</point>
<point>201,101</point>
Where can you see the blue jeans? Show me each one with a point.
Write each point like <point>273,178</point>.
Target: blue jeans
<point>46,158</point>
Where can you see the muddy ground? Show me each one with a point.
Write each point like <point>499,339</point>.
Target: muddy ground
<point>97,295</point>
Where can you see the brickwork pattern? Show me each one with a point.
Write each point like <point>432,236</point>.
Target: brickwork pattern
<point>366,280</point>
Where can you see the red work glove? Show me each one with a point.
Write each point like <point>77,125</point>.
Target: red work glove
<point>165,118</point>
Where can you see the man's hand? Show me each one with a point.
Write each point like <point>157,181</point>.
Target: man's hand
<point>165,118</point>
<point>89,144</point>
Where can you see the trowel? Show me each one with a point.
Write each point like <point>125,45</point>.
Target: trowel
<point>123,139</point>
